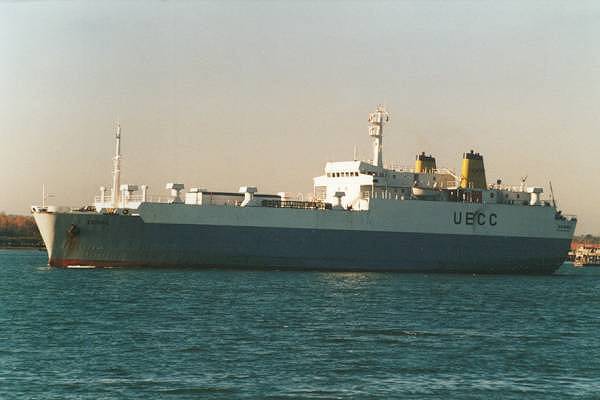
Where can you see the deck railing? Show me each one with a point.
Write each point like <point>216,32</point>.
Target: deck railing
<point>135,198</point>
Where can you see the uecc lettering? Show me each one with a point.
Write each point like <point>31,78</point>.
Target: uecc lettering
<point>475,218</point>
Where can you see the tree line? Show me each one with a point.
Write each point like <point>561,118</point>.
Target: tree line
<point>18,226</point>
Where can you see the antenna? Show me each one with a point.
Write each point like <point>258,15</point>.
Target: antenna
<point>552,194</point>
<point>116,169</point>
<point>45,196</point>
<point>523,179</point>
<point>377,120</point>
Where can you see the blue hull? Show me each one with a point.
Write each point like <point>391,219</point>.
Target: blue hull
<point>128,241</point>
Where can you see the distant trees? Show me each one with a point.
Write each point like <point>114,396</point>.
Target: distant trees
<point>17,226</point>
<point>587,239</point>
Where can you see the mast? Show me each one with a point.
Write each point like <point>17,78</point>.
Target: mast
<point>117,169</point>
<point>552,194</point>
<point>45,196</point>
<point>377,120</point>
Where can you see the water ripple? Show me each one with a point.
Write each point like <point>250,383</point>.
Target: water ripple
<point>210,334</point>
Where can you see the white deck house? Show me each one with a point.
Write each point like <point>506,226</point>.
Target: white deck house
<point>345,185</point>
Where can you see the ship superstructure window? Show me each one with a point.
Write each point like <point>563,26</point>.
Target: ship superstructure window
<point>320,192</point>
<point>365,191</point>
<point>345,174</point>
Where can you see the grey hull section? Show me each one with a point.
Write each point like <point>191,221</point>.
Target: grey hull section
<point>111,240</point>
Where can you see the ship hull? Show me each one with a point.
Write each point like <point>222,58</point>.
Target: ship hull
<point>118,241</point>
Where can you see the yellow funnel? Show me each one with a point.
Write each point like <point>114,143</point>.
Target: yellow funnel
<point>424,163</point>
<point>472,174</point>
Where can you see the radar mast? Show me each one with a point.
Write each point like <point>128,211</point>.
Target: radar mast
<point>377,120</point>
<point>117,169</point>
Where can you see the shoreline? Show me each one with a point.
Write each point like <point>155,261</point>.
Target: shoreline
<point>7,247</point>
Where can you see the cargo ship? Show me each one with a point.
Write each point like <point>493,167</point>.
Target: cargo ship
<point>361,216</point>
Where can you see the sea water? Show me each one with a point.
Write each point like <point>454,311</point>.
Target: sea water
<point>225,334</point>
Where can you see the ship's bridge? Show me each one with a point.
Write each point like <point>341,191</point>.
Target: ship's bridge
<point>359,181</point>
<point>350,184</point>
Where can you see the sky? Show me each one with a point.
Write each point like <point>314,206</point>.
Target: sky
<point>225,94</point>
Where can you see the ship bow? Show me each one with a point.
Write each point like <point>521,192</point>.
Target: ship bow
<point>46,223</point>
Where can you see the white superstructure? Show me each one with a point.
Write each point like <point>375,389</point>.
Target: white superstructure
<point>347,185</point>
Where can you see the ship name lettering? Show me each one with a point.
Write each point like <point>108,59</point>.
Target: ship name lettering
<point>97,222</point>
<point>475,218</point>
<point>469,218</point>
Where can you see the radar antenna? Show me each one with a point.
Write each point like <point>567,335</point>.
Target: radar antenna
<point>377,120</point>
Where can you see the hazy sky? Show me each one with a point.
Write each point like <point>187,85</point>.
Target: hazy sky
<point>224,94</point>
